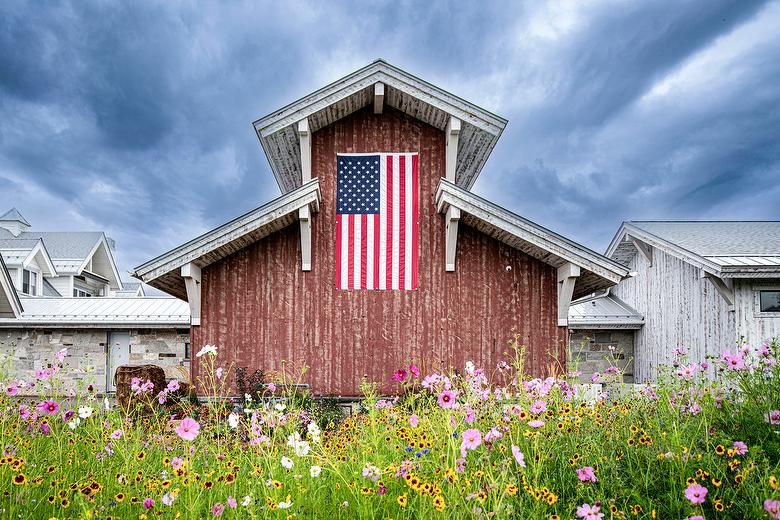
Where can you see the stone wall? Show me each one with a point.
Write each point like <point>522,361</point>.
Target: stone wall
<point>25,350</point>
<point>592,351</point>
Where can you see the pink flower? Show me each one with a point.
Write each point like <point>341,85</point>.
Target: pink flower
<point>772,507</point>
<point>414,420</point>
<point>536,423</point>
<point>68,415</point>
<point>471,440</point>
<point>232,502</point>
<point>162,396</point>
<point>414,370</point>
<point>148,503</point>
<point>697,517</point>
<point>400,375</point>
<point>219,373</point>
<point>593,379</point>
<point>168,499</point>
<point>12,389</point>
<point>740,448</point>
<point>116,434</point>
<point>687,372</point>
<point>588,512</point>
<point>773,417</point>
<point>518,455</point>
<point>447,399</point>
<point>24,412</point>
<point>586,474</point>
<point>48,407</point>
<point>696,493</point>
<point>188,429</point>
<point>733,361</point>
<point>217,509</point>
<point>271,387</point>
<point>177,462</point>
<point>60,355</point>
<point>173,385</point>
<point>538,407</point>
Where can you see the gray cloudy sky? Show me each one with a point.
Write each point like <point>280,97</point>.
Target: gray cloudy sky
<point>137,120</point>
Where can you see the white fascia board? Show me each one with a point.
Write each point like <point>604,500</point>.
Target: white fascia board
<point>7,285</point>
<point>117,282</point>
<point>40,248</point>
<point>448,194</point>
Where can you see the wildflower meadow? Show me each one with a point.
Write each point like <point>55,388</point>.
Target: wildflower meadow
<point>470,443</point>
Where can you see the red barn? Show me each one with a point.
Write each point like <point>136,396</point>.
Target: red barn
<point>358,275</point>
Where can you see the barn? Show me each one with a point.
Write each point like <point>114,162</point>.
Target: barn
<point>357,274</point>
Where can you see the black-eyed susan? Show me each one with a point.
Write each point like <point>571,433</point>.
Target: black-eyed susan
<point>402,500</point>
<point>19,479</point>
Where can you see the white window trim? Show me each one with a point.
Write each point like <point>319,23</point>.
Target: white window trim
<point>38,281</point>
<point>757,301</point>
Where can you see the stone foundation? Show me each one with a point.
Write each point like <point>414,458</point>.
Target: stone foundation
<point>23,351</point>
<point>592,351</point>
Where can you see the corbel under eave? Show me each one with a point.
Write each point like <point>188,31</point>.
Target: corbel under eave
<point>451,219</point>
<point>567,277</point>
<point>191,274</point>
<point>724,287</point>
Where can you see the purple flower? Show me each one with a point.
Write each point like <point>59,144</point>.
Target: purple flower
<point>173,385</point>
<point>518,455</point>
<point>217,509</point>
<point>588,512</point>
<point>772,507</point>
<point>68,415</point>
<point>148,503</point>
<point>587,474</point>
<point>446,399</point>
<point>740,448</point>
<point>538,407</point>
<point>773,417</point>
<point>48,407</point>
<point>399,375</point>
<point>696,493</point>
<point>12,389</point>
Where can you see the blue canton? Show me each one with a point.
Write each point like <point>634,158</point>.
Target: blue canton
<point>357,188</point>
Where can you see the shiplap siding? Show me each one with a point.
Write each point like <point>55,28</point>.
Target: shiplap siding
<point>680,309</point>
<point>753,326</point>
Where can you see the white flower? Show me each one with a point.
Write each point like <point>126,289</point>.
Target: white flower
<point>247,500</point>
<point>284,505</point>
<point>314,431</point>
<point>106,404</point>
<point>300,447</point>
<point>280,407</point>
<point>208,349</point>
<point>233,420</point>
<point>469,367</point>
<point>85,412</point>
<point>345,504</point>
<point>74,423</point>
<point>248,398</point>
<point>287,462</point>
<point>315,471</point>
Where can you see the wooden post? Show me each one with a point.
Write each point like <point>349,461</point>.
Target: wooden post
<point>451,161</point>
<point>379,97</point>
<point>567,277</point>
<point>191,274</point>
<point>305,138</point>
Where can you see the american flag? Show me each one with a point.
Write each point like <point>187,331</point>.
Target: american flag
<point>376,221</point>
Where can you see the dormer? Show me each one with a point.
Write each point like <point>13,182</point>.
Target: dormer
<point>14,222</point>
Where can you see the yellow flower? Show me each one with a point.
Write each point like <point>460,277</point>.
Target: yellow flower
<point>402,501</point>
<point>773,482</point>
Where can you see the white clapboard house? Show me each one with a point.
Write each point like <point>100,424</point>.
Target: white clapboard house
<point>63,290</point>
<point>704,286</point>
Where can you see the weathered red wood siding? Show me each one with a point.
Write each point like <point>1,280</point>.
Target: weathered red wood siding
<point>259,308</point>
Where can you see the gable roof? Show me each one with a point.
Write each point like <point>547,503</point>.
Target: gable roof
<point>17,252</point>
<point>101,313</point>
<point>164,272</point>
<point>10,304</point>
<point>599,272</point>
<point>13,215</point>
<point>723,248</point>
<point>480,129</point>
<point>603,311</point>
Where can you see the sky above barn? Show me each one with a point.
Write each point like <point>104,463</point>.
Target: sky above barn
<point>135,118</point>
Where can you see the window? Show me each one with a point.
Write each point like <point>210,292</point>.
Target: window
<point>80,293</point>
<point>187,351</point>
<point>770,301</point>
<point>29,282</point>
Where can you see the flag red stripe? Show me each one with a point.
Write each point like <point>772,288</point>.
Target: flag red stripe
<point>389,223</point>
<point>402,222</point>
<point>351,253</point>
<point>415,221</point>
<point>338,251</point>
<point>363,249</point>
<point>375,281</point>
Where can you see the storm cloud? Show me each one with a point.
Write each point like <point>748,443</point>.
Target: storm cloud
<point>135,118</point>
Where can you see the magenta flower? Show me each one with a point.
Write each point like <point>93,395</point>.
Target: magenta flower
<point>733,361</point>
<point>12,389</point>
<point>414,420</point>
<point>400,375</point>
<point>587,474</point>
<point>148,503</point>
<point>446,399</point>
<point>471,440</point>
<point>68,415</point>
<point>772,507</point>
<point>536,423</point>
<point>116,434</point>
<point>589,512</point>
<point>217,509</point>
<point>188,429</point>
<point>60,355</point>
<point>538,407</point>
<point>697,517</point>
<point>173,385</point>
<point>518,455</point>
<point>414,370</point>
<point>48,407</point>
<point>773,417</point>
<point>696,493</point>
<point>24,412</point>
<point>740,448</point>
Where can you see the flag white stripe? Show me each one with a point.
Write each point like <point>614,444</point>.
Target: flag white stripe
<point>382,222</point>
<point>356,253</point>
<point>396,220</point>
<point>408,219</point>
<point>370,253</point>
<point>344,252</point>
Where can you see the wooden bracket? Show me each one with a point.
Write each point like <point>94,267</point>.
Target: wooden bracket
<point>304,218</point>
<point>379,97</point>
<point>451,154</point>
<point>724,287</point>
<point>191,274</point>
<point>646,250</point>
<point>567,276</point>
<point>451,237</point>
<point>305,138</point>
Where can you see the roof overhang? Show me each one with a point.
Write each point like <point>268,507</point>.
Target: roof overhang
<point>113,278</point>
<point>42,257</point>
<point>164,272</point>
<point>603,311</point>
<point>598,271</point>
<point>9,298</point>
<point>479,131</point>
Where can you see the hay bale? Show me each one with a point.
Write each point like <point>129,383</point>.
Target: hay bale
<point>123,377</point>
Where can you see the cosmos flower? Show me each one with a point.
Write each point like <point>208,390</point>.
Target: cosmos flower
<point>168,499</point>
<point>117,434</point>
<point>587,474</point>
<point>772,507</point>
<point>414,420</point>
<point>85,412</point>
<point>773,417</point>
<point>740,448</point>
<point>471,440</point>
<point>446,399</point>
<point>536,423</point>
<point>217,509</point>
<point>148,503</point>
<point>287,462</point>
<point>538,407</point>
<point>588,512</point>
<point>188,429</point>
<point>173,385</point>
<point>315,471</point>
<point>232,502</point>
<point>399,375</point>
<point>518,455</point>
<point>48,407</point>
<point>210,350</point>
<point>696,493</point>
<point>12,389</point>
<point>233,420</point>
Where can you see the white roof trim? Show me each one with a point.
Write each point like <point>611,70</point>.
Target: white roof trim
<point>40,247</point>
<point>211,242</point>
<point>117,282</point>
<point>448,194</point>
<point>8,288</point>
